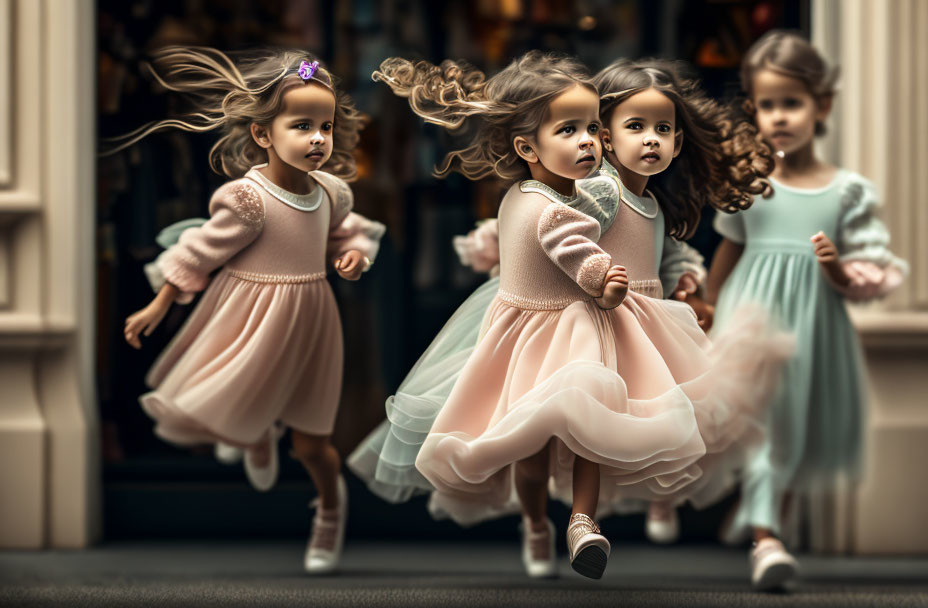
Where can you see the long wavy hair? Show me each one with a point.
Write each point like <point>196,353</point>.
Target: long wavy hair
<point>723,163</point>
<point>455,94</point>
<point>789,54</point>
<point>228,95</point>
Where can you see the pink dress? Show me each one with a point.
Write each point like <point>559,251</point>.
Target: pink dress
<point>264,343</point>
<point>638,389</point>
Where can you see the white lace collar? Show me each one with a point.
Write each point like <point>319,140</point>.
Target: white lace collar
<point>302,202</point>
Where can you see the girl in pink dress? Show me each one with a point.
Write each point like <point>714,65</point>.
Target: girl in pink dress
<point>660,131</point>
<point>263,349</point>
<point>580,379</point>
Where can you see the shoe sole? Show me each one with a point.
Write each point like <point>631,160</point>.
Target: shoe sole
<point>590,562</point>
<point>320,570</point>
<point>546,573</point>
<point>775,576</point>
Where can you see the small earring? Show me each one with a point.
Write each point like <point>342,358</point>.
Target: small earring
<point>608,148</point>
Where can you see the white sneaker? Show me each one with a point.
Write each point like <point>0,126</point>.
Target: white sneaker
<point>228,454</point>
<point>324,548</point>
<point>589,550</point>
<point>662,525</point>
<point>771,565</point>
<point>263,478</point>
<point>538,555</point>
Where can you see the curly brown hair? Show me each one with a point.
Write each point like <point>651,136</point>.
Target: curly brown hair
<point>230,95</point>
<point>790,54</point>
<point>511,103</point>
<point>724,162</point>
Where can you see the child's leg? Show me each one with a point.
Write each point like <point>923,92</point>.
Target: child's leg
<point>588,548</point>
<point>761,532</point>
<point>585,487</point>
<point>320,459</point>
<point>761,505</point>
<point>531,481</point>
<point>323,464</point>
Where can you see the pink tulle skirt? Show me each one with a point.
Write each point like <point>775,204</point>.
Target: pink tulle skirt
<point>254,352</point>
<point>640,390</point>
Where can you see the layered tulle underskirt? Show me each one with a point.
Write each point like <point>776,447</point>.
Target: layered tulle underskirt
<point>638,389</point>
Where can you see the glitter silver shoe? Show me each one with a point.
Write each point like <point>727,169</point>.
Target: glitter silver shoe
<point>589,550</point>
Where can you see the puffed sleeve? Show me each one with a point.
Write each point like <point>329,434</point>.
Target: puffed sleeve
<point>863,244</point>
<point>479,248</point>
<point>679,259</point>
<point>569,238</point>
<point>730,225</point>
<point>351,231</point>
<point>236,218</point>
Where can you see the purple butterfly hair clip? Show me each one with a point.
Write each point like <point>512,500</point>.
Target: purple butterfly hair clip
<point>308,69</point>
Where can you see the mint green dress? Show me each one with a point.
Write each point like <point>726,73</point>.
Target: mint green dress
<point>814,424</point>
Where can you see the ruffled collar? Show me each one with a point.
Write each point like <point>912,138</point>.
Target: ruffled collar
<point>598,196</point>
<point>594,199</point>
<point>608,176</point>
<point>533,185</point>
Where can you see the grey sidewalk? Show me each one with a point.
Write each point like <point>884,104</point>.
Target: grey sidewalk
<point>240,573</point>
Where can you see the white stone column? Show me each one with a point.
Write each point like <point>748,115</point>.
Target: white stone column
<point>880,129</point>
<point>49,424</point>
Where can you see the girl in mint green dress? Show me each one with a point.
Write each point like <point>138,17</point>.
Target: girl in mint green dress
<point>815,421</point>
<point>801,253</point>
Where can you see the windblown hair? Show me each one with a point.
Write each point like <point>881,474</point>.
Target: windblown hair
<point>723,162</point>
<point>789,54</point>
<point>229,96</point>
<point>512,103</point>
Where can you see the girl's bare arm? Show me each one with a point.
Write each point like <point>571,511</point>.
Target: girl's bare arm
<point>726,257</point>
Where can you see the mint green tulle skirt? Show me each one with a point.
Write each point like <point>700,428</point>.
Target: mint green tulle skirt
<point>814,421</point>
<point>386,458</point>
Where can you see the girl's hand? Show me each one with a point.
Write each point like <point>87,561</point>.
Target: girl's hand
<point>147,319</point>
<point>615,287</point>
<point>705,312</point>
<point>827,255</point>
<point>144,321</point>
<point>686,291</point>
<point>351,265</point>
<point>686,286</point>
<point>825,250</point>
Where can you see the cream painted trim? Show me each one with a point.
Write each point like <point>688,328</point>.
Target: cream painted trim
<point>5,265</point>
<point>883,54</point>
<point>880,328</point>
<point>50,474</point>
<point>22,455</point>
<point>920,159</point>
<point>66,376</point>
<point>20,191</point>
<point>6,115</point>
